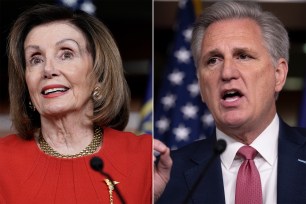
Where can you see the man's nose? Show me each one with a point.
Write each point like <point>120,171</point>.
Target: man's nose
<point>229,70</point>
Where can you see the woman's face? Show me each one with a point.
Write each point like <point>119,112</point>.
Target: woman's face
<point>58,67</point>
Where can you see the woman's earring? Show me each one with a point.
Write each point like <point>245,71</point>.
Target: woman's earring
<point>96,94</point>
<point>31,106</point>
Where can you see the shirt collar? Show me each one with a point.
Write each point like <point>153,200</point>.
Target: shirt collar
<point>265,144</point>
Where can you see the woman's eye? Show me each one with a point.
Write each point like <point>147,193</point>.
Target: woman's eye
<point>67,55</point>
<point>35,60</point>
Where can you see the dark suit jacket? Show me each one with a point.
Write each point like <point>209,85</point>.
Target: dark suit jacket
<point>189,162</point>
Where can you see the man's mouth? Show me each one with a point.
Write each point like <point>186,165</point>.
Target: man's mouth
<point>231,95</point>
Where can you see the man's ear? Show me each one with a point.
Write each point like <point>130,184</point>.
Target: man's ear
<point>281,71</point>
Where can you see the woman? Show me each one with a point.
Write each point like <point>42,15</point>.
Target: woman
<point>69,103</point>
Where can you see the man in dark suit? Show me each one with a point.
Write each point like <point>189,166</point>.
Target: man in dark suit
<point>241,54</point>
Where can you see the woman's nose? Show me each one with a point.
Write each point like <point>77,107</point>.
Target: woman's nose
<point>50,70</point>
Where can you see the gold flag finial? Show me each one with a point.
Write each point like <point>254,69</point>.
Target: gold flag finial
<point>197,5</point>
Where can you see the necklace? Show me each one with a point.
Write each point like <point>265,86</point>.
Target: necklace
<point>90,149</point>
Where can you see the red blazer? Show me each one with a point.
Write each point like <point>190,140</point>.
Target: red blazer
<point>27,175</point>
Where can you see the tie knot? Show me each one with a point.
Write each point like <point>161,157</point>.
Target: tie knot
<point>247,152</point>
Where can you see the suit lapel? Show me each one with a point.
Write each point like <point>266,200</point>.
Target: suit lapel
<point>291,176</point>
<point>210,188</point>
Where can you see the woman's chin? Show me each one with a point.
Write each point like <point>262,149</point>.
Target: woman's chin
<point>55,112</point>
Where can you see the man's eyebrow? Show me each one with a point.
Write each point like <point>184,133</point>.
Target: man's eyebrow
<point>241,50</point>
<point>217,52</point>
<point>214,52</point>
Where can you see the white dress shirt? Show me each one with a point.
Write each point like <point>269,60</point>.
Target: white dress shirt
<point>266,145</point>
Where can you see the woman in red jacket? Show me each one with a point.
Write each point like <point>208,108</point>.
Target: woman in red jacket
<point>69,102</point>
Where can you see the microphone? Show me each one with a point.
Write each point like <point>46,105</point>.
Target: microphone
<point>96,163</point>
<point>218,149</point>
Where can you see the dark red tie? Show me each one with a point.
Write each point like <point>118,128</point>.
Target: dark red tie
<point>248,186</point>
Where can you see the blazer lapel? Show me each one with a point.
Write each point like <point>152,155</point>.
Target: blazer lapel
<point>291,177</point>
<point>210,188</point>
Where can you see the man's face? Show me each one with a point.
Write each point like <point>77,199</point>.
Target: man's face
<point>237,77</point>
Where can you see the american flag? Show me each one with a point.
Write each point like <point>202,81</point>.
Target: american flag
<point>180,116</point>
<point>84,5</point>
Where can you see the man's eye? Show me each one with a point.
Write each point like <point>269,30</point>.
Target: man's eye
<point>212,61</point>
<point>244,56</point>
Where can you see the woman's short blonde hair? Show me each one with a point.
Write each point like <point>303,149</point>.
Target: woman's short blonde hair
<point>111,108</point>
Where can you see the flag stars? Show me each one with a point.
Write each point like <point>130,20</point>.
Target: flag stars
<point>162,124</point>
<point>193,89</point>
<point>168,101</point>
<point>187,34</point>
<point>176,77</point>
<point>88,7</point>
<point>190,111</point>
<point>207,119</point>
<point>182,4</point>
<point>70,3</point>
<point>181,133</point>
<point>180,116</point>
<point>183,55</point>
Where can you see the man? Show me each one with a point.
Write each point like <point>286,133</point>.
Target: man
<point>241,55</point>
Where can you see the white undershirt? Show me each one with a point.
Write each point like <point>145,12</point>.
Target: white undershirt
<point>266,162</point>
